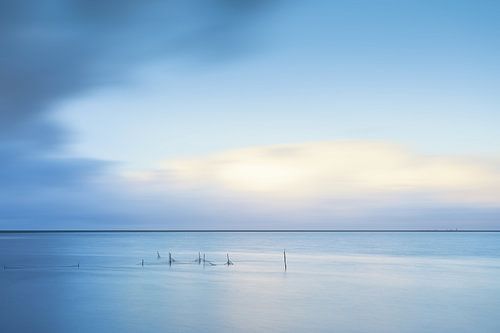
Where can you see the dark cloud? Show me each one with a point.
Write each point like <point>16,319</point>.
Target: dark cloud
<point>55,48</point>
<point>51,50</point>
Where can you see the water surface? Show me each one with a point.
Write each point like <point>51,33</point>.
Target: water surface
<point>335,282</point>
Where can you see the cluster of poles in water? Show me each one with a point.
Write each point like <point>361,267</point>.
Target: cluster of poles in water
<point>200,260</point>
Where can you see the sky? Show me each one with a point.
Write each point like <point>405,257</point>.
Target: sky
<point>263,114</point>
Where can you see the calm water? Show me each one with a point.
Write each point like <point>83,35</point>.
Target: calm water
<point>335,282</point>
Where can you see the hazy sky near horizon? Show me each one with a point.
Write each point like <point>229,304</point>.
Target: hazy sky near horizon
<point>249,114</point>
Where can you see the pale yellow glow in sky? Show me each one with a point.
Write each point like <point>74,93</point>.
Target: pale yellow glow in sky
<point>340,169</point>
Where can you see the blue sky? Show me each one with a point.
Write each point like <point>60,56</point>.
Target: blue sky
<point>422,75</point>
<point>168,110</point>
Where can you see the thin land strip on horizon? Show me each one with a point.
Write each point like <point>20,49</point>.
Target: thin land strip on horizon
<point>240,230</point>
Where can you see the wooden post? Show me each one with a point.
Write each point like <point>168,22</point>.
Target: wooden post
<point>229,262</point>
<point>170,259</point>
<point>199,258</point>
<point>203,259</point>
<point>158,255</point>
<point>284,258</point>
<point>142,263</point>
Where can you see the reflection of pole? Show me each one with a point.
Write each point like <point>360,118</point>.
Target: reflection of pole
<point>284,258</point>
<point>199,258</point>
<point>158,255</point>
<point>203,259</point>
<point>142,262</point>
<point>170,259</point>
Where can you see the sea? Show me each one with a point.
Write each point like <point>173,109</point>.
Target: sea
<point>106,282</point>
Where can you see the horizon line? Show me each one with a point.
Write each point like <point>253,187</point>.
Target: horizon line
<point>234,230</point>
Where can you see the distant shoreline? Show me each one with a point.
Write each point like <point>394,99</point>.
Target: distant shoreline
<point>238,230</point>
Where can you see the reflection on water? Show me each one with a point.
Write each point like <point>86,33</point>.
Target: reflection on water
<point>335,282</point>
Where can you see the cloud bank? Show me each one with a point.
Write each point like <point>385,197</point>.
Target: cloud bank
<point>337,184</point>
<point>342,169</point>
